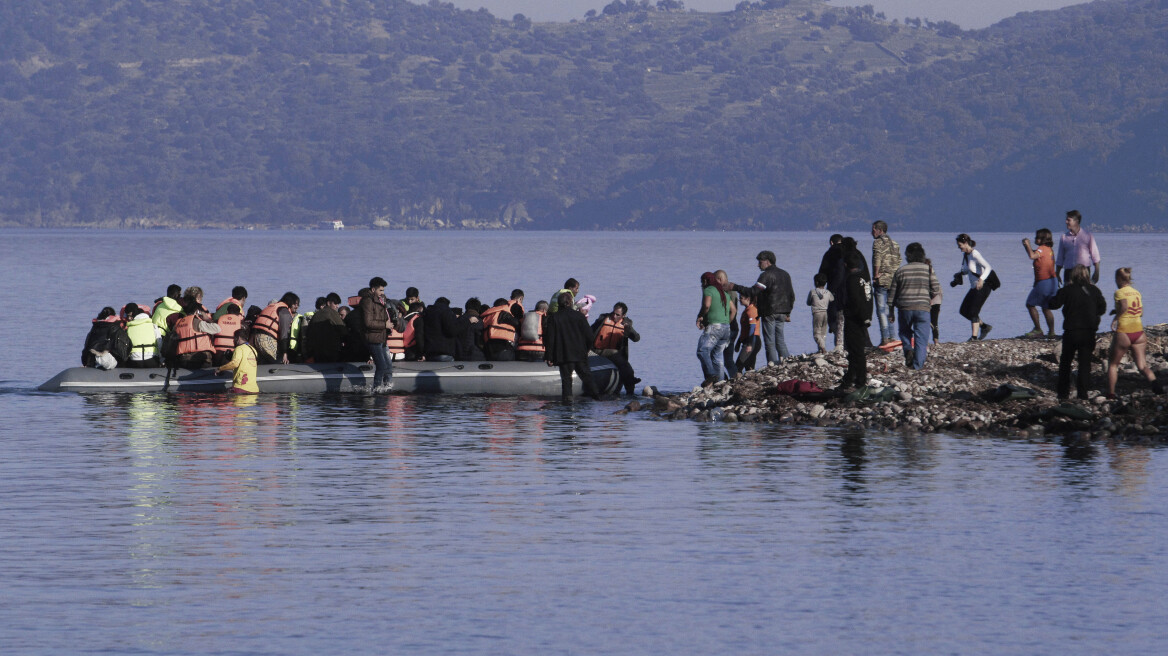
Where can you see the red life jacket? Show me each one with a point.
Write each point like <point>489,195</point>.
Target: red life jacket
<point>611,335</point>
<point>494,329</point>
<point>189,339</point>
<point>533,344</point>
<point>228,325</point>
<point>399,342</point>
<point>268,321</point>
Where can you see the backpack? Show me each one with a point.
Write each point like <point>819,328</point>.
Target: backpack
<point>170,342</point>
<point>529,331</point>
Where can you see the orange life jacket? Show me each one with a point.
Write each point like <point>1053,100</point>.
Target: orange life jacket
<point>610,335</point>
<point>533,344</point>
<point>228,325</point>
<point>189,339</point>
<point>230,300</point>
<point>749,320</point>
<point>399,342</point>
<point>268,321</point>
<point>493,329</point>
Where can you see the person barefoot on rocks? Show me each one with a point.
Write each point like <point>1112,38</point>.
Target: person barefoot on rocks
<point>1129,332</point>
<point>1082,304</point>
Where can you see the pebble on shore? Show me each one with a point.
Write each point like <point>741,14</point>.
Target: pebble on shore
<point>952,394</point>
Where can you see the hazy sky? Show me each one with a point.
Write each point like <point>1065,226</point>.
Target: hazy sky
<point>969,14</point>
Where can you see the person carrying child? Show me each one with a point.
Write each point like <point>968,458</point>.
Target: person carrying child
<point>819,298</point>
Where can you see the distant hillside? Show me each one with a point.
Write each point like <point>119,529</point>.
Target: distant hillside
<point>782,114</point>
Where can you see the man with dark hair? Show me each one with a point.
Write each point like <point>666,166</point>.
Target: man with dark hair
<point>567,341</point>
<point>1076,247</point>
<point>500,330</point>
<point>107,345</point>
<point>272,331</point>
<point>238,297</point>
<point>376,315</point>
<point>775,298</point>
<point>517,303</point>
<point>326,334</point>
<point>437,332</point>
<point>166,306</point>
<point>470,331</point>
<point>913,287</point>
<point>412,296</point>
<point>885,262</point>
<point>611,334</point>
<point>572,286</point>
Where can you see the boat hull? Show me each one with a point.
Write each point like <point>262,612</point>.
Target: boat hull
<point>489,378</point>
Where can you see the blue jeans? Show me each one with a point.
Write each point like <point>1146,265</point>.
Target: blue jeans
<point>710,347</point>
<point>880,296</point>
<point>384,363</point>
<point>772,338</point>
<point>915,325</point>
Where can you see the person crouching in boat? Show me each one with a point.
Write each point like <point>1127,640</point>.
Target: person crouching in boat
<point>611,334</point>
<point>272,331</point>
<point>243,362</point>
<point>106,345</point>
<point>145,339</point>
<point>194,333</point>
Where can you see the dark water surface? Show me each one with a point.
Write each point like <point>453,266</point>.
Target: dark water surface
<point>388,524</point>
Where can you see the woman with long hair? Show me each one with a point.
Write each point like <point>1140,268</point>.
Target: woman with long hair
<point>1045,281</point>
<point>1128,334</point>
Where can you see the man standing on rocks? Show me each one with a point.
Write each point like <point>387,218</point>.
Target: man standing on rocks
<point>885,262</point>
<point>1076,247</point>
<point>832,267</point>
<point>857,318</point>
<point>911,293</point>
<point>775,298</point>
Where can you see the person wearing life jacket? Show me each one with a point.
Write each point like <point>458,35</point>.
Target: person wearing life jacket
<point>296,336</point>
<point>166,306</point>
<point>517,309</point>
<point>406,345</point>
<point>244,361</point>
<point>238,297</point>
<point>529,347</point>
<point>326,333</point>
<point>229,323</point>
<point>194,333</point>
<point>272,330</point>
<point>611,334</point>
<point>439,332</point>
<point>500,331</point>
<point>412,296</point>
<point>571,286</point>
<point>107,345</point>
<point>145,339</point>
<point>194,293</point>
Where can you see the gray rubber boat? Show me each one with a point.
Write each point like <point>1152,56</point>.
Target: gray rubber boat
<point>490,378</point>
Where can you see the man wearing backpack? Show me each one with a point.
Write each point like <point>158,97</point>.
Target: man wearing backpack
<point>885,262</point>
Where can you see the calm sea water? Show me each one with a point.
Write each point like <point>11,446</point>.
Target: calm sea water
<point>159,524</point>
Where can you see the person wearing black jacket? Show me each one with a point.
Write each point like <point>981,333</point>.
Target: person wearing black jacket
<point>832,267</point>
<point>470,330</point>
<point>437,331</point>
<point>857,318</point>
<point>1082,304</point>
<point>567,340</point>
<point>611,334</point>
<point>775,298</point>
<point>326,332</point>
<point>106,337</point>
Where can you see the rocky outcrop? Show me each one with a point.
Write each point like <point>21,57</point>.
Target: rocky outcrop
<point>956,392</point>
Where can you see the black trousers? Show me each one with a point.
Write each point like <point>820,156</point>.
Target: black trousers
<point>581,369</point>
<point>627,376</point>
<point>855,334</point>
<point>745,361</point>
<point>1077,344</point>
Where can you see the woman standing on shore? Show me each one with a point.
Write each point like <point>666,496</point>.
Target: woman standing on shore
<point>1128,330</point>
<point>1045,281</point>
<point>982,280</point>
<point>1082,304</point>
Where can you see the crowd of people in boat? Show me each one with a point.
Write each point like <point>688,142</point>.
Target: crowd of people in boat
<point>905,298</point>
<point>178,331</point>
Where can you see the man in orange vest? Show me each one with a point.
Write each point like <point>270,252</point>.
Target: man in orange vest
<point>610,337</point>
<point>500,330</point>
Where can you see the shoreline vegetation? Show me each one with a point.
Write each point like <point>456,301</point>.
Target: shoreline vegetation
<point>955,393</point>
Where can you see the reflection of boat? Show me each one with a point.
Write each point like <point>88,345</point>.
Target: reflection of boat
<point>500,378</point>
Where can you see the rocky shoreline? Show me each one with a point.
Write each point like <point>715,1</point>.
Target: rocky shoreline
<point>954,393</point>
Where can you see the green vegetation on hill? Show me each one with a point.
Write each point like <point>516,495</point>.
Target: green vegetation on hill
<point>781,114</point>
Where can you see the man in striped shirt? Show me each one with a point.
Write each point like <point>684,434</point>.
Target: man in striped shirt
<point>911,292</point>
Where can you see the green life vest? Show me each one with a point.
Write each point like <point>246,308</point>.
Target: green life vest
<point>142,338</point>
<point>167,307</point>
